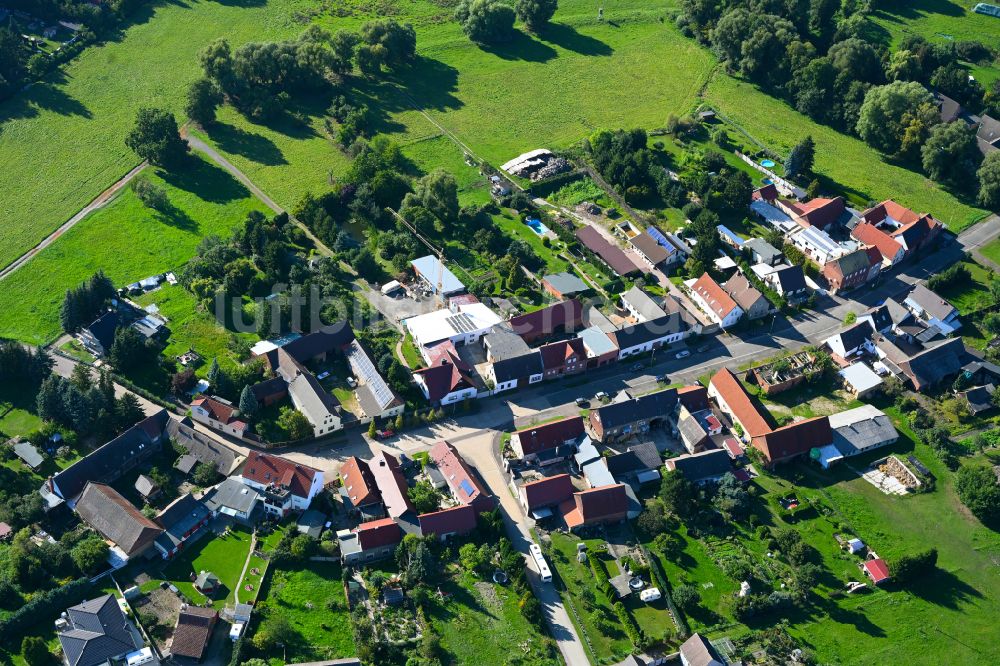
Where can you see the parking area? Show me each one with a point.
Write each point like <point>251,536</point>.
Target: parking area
<point>401,304</point>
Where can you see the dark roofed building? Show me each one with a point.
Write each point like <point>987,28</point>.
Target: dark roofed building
<point>565,357</point>
<point>517,371</point>
<point>702,467</point>
<point>536,496</point>
<point>632,416</point>
<point>564,285</point>
<point>193,631</point>
<point>528,442</point>
<point>203,448</point>
<point>116,519</point>
<point>456,520</point>
<point>610,254</point>
<point>694,398</point>
<point>317,344</point>
<point>99,335</point>
<point>98,632</point>
<point>648,335</point>
<point>501,343</point>
<point>180,520</point>
<point>788,281</point>
<point>654,253</point>
<point>565,316</point>
<point>108,463</point>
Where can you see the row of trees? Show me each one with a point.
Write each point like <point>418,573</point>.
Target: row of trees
<point>85,406</point>
<point>492,21</point>
<point>84,303</point>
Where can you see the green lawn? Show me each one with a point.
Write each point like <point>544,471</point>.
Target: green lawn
<point>125,239</point>
<point>192,328</point>
<point>936,21</point>
<point>478,629</point>
<point>312,599</point>
<point>222,555</point>
<point>845,164</point>
<point>63,140</point>
<point>992,251</point>
<point>511,225</point>
<point>972,295</point>
<point>17,411</point>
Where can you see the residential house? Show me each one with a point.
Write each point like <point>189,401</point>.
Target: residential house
<point>566,357</point>
<point>795,439</point>
<point>597,506</point>
<point>368,542</point>
<point>285,485</point>
<point>988,134</point>
<point>627,416</point>
<point>912,231</point>
<point>98,336</point>
<point>447,379</point>
<point>564,285</point>
<point>979,399</point>
<point>375,397</point>
<point>695,428</point>
<point>981,372</point>
<point>501,343</point>
<point>880,317</point>
<point>607,252</point>
<point>314,346</point>
<point>639,464</point>
<point>852,341</point>
<point>704,467</point>
<point>676,249</point>
<point>108,463</point>
<point>562,317</point>
<point>358,487</point>
<point>320,408</point>
<point>933,310</point>
<point>117,520</point>
<point>889,248</point>
<point>391,484</point>
<point>650,335</point>
<point>694,398</point>
<point>640,305</point>
<point>751,301</point>
<point>762,252</point>
<point>181,520</point>
<point>540,443</point>
<point>697,651</point>
<point>516,371</point>
<point>789,282</point>
<point>97,633</point>
<point>446,523</point>
<point>539,498</point>
<point>819,212</point>
<point>651,251</point>
<point>857,431</point>
<point>463,484</point>
<point>193,632</point>
<point>601,349</point>
<point>715,301</point>
<point>219,414</point>
<point>744,410</point>
<point>235,499</point>
<point>436,276</point>
<point>853,269</point>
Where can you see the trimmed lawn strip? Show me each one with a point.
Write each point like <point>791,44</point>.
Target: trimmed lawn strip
<point>222,555</point>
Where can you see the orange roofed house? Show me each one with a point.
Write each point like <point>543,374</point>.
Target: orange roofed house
<point>597,506</point>
<point>777,444</point>
<point>896,231</point>
<point>218,414</point>
<point>285,485</point>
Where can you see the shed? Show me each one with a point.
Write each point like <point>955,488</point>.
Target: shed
<point>146,486</point>
<point>28,454</point>
<point>430,270</point>
<point>207,583</point>
<point>877,570</point>
<point>855,545</point>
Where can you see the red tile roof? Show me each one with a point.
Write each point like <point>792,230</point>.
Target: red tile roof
<point>448,372</point>
<point>266,469</point>
<point>752,416</point>
<point>557,354</point>
<point>819,212</point>
<point>378,533</point>
<point>714,295</point>
<point>794,439</point>
<point>391,483</point>
<point>548,491</point>
<point>459,519</point>
<point>460,479</point>
<point>878,570</point>
<point>890,208</point>
<point>549,435</point>
<point>694,398</point>
<point>767,193</point>
<point>359,482</point>
<point>887,246</point>
<point>565,315</point>
<point>734,448</point>
<point>218,410</point>
<point>595,505</point>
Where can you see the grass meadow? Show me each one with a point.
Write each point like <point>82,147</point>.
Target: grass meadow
<point>62,141</point>
<point>206,200</point>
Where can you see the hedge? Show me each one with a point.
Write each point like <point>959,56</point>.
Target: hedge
<point>661,580</point>
<point>45,604</point>
<point>628,623</point>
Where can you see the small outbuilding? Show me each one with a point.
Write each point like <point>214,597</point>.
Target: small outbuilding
<point>146,487</point>
<point>29,455</point>
<point>877,570</point>
<point>207,583</point>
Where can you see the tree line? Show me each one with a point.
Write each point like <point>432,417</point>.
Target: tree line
<point>827,60</point>
<point>83,304</point>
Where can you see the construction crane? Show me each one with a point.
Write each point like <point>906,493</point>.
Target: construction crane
<point>439,253</point>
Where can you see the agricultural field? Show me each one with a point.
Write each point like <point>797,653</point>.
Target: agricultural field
<point>480,622</point>
<point>62,140</point>
<point>311,597</point>
<point>845,164</point>
<point>206,200</point>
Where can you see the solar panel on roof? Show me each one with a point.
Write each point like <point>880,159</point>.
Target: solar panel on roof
<point>364,367</point>
<point>659,238</point>
<point>461,323</point>
<point>466,487</point>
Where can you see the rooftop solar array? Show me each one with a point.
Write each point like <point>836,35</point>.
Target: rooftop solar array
<point>467,487</point>
<point>462,323</point>
<point>367,372</point>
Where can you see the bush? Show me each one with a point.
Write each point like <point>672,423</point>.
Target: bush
<point>631,627</point>
<point>908,567</point>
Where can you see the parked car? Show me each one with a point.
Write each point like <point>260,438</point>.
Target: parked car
<point>582,402</point>
<point>352,382</point>
<point>663,379</point>
<point>636,367</point>
<point>684,353</point>
<point>602,396</point>
<point>384,434</point>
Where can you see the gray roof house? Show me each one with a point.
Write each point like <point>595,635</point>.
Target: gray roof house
<point>857,431</point>
<point>697,651</point>
<point>233,498</point>
<point>202,448</point>
<point>564,285</point>
<point>702,467</point>
<point>641,305</point>
<point>116,519</point>
<point>501,343</point>
<point>763,252</point>
<point>97,632</point>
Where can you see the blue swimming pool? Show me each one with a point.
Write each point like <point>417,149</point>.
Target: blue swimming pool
<point>767,164</point>
<point>766,181</point>
<point>537,226</point>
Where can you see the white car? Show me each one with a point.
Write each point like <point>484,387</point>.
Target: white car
<point>682,354</point>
